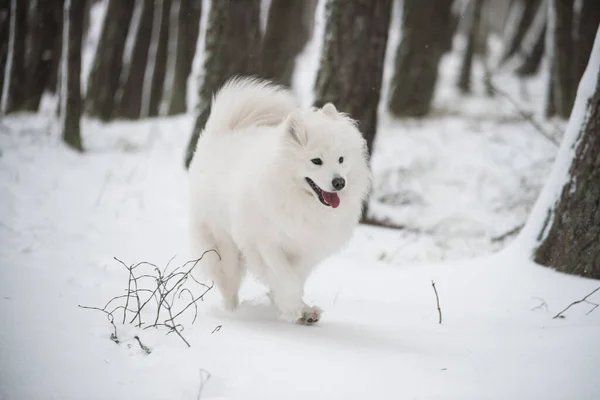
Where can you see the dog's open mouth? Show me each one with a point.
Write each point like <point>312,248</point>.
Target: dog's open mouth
<point>326,198</point>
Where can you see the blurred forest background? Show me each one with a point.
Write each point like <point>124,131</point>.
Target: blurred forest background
<point>142,64</point>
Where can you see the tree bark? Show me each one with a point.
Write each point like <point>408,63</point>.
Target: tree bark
<point>520,17</point>
<point>13,91</point>
<point>560,15</point>
<point>45,31</point>
<point>128,103</point>
<point>157,60</point>
<point>70,107</point>
<point>473,32</point>
<point>290,25</point>
<point>424,30</point>
<point>232,47</point>
<point>103,81</point>
<point>572,242</point>
<point>183,39</point>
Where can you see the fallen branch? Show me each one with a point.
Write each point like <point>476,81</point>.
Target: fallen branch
<point>437,300</point>
<point>167,290</point>
<point>584,300</point>
<point>507,234</point>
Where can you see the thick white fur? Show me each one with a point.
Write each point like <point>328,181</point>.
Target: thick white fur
<point>250,200</point>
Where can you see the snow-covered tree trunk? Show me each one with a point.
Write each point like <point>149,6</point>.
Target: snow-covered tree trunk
<point>103,81</point>
<point>424,39</point>
<point>70,73</point>
<point>13,90</point>
<point>154,75</point>
<point>128,103</point>
<point>185,15</point>
<point>232,47</point>
<point>561,91</point>
<point>351,69</point>
<point>473,37</point>
<point>563,230</point>
<point>520,17</point>
<point>289,27</point>
<point>45,29</point>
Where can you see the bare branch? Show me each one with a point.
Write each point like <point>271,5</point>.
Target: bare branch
<point>584,300</point>
<point>142,346</point>
<point>437,299</point>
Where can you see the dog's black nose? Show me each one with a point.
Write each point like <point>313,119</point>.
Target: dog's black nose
<point>338,183</point>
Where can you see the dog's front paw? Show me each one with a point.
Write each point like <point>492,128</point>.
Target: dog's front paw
<point>309,316</point>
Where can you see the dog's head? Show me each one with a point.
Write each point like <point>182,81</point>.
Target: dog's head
<point>329,154</point>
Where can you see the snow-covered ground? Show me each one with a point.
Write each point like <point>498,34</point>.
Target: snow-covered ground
<point>455,181</point>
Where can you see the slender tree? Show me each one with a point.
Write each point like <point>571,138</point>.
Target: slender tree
<point>13,92</point>
<point>103,81</point>
<point>290,25</point>
<point>157,59</point>
<point>424,39</point>
<point>561,92</point>
<point>128,103</point>
<point>4,37</point>
<point>531,50</point>
<point>473,37</point>
<point>45,23</point>
<point>520,16</point>
<point>70,74</point>
<point>185,17</point>
<point>584,32</point>
<point>351,68</point>
<point>569,239</point>
<point>232,47</point>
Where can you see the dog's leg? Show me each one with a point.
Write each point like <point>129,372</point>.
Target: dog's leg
<point>225,269</point>
<point>286,285</point>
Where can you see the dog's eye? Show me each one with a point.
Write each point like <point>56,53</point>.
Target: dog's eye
<point>341,160</point>
<point>317,161</point>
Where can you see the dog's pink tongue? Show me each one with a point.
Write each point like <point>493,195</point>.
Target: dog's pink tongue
<point>331,198</point>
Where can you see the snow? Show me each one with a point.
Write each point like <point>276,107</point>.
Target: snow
<point>469,173</point>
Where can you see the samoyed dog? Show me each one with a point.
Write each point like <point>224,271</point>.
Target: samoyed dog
<point>274,190</point>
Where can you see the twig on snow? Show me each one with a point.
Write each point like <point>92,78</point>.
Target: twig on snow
<point>437,299</point>
<point>541,305</point>
<point>584,300</point>
<point>217,329</point>
<point>142,346</point>
<point>507,234</point>
<point>111,319</point>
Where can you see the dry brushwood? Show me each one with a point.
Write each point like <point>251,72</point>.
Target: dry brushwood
<point>166,289</point>
<point>584,300</point>
<point>437,299</point>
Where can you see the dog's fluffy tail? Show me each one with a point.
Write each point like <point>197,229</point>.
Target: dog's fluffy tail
<point>244,102</point>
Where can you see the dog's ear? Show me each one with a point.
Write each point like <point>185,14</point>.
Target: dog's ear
<point>330,110</point>
<point>295,128</point>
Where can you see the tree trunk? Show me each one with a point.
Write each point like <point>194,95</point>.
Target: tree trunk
<point>289,27</point>
<point>182,44</point>
<point>157,60</point>
<point>560,14</point>
<point>520,16</point>
<point>424,30</point>
<point>532,46</point>
<point>586,24</point>
<point>570,237</point>
<point>351,68</point>
<point>104,77</point>
<point>13,91</point>
<point>70,106</point>
<point>4,37</point>
<point>473,31</point>
<point>45,30</point>
<point>128,103</point>
<point>232,47</point>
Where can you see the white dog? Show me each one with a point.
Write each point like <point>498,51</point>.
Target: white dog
<point>274,189</point>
